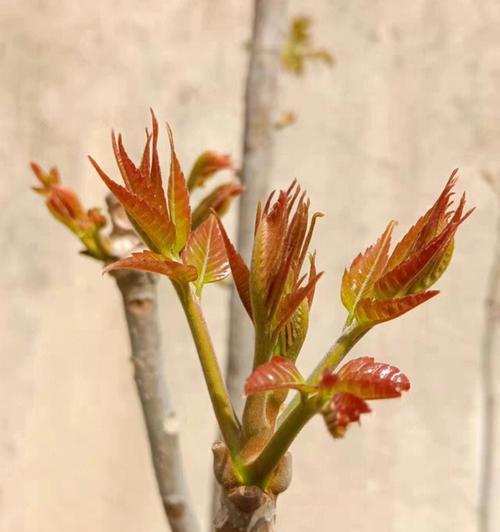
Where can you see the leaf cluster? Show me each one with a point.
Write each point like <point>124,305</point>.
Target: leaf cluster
<point>192,248</point>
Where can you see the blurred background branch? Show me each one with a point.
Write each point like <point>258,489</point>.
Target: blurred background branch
<point>490,349</point>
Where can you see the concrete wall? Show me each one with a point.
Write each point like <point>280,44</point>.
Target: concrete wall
<point>414,94</point>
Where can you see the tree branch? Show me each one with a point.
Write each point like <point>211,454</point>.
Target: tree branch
<point>257,161</point>
<point>140,304</point>
<point>258,145</point>
<point>490,347</point>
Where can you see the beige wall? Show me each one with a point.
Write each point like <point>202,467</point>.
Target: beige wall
<point>414,94</point>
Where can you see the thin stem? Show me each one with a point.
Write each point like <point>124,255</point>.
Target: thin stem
<point>259,472</point>
<point>224,412</point>
<point>346,341</point>
<point>299,412</point>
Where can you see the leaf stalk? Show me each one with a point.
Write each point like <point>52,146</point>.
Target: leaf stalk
<point>299,411</point>
<point>224,412</point>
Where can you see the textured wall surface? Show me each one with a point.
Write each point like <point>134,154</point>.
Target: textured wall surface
<point>413,95</point>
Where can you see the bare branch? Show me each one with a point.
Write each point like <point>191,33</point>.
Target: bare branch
<point>490,347</point>
<point>141,310</point>
<point>258,145</point>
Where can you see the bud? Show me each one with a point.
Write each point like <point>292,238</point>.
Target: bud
<point>207,164</point>
<point>217,201</point>
<point>48,180</point>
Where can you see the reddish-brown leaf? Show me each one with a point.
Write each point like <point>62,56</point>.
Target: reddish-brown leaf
<point>155,172</point>
<point>292,301</point>
<point>312,273</point>
<point>205,166</point>
<point>178,199</point>
<point>420,264</point>
<point>145,161</point>
<point>206,251</point>
<point>131,175</point>
<point>47,179</point>
<point>277,374</point>
<point>241,274</point>
<point>147,261</point>
<point>426,228</point>
<point>365,269</point>
<point>154,226</point>
<point>218,201</point>
<point>370,312</point>
<point>283,278</point>
<point>64,205</point>
<point>368,379</point>
<point>343,409</point>
<point>435,270</point>
<point>268,248</point>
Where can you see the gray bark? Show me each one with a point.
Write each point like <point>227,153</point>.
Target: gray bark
<point>270,17</point>
<point>490,347</point>
<point>246,509</point>
<point>141,310</point>
<point>140,303</point>
<point>258,146</point>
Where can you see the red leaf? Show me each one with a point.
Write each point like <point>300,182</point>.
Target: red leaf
<point>343,409</point>
<point>147,261</point>
<point>292,301</point>
<point>312,273</point>
<point>154,226</point>
<point>155,173</point>
<point>205,166</point>
<point>365,269</point>
<point>145,161</point>
<point>419,264</point>
<point>425,251</point>
<point>277,374</point>
<point>217,201</point>
<point>239,269</point>
<point>131,175</point>
<point>64,205</point>
<point>178,199</point>
<point>205,250</point>
<point>267,255</point>
<point>426,228</point>
<point>435,270</point>
<point>372,312</point>
<point>368,379</point>
<point>47,179</point>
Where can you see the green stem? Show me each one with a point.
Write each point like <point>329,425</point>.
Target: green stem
<point>299,412</point>
<point>346,341</point>
<point>349,338</point>
<point>224,412</point>
<point>260,471</point>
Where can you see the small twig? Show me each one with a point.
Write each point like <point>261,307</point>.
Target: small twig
<point>490,346</point>
<point>141,310</point>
